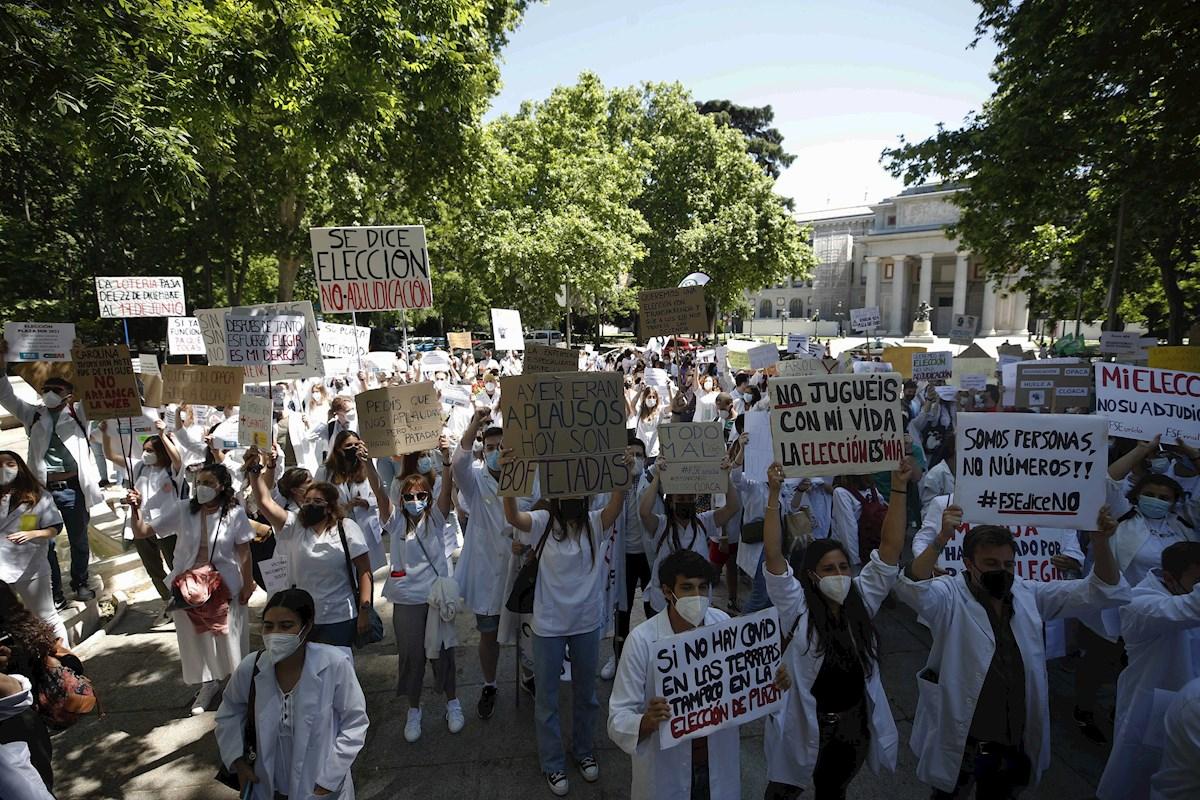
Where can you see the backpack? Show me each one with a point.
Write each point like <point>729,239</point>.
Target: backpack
<point>64,693</point>
<point>870,522</point>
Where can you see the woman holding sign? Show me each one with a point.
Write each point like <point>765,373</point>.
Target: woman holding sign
<point>835,715</point>
<point>349,468</point>
<point>568,611</point>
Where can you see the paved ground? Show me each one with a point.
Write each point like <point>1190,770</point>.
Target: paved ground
<point>148,747</point>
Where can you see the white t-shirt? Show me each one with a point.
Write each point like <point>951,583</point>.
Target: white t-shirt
<point>693,537</point>
<point>24,562</point>
<point>416,556</point>
<point>159,492</point>
<point>570,585</point>
<point>647,431</point>
<point>317,564</point>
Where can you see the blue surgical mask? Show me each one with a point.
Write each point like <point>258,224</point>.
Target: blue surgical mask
<point>493,460</point>
<point>1153,507</point>
<point>414,507</point>
<point>424,464</point>
<point>1159,466</point>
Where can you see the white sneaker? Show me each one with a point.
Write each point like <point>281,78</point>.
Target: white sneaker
<point>609,670</point>
<point>590,769</point>
<point>412,728</point>
<point>208,692</point>
<point>557,781</point>
<point>454,716</point>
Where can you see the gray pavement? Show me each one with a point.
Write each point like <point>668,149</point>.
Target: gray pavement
<point>147,746</point>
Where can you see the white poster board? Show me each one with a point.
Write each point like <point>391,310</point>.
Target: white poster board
<point>138,296</point>
<point>962,330</point>
<point>259,340</point>
<point>763,356</point>
<point>1031,469</point>
<point>506,329</point>
<point>935,366</point>
<point>371,268</point>
<point>1142,402</point>
<point>343,341</point>
<point>212,327</point>
<point>255,421</point>
<point>758,448</point>
<point>797,343</point>
<point>184,337</point>
<point>864,319</point>
<point>39,341</point>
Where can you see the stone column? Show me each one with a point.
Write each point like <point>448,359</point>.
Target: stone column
<point>899,289</point>
<point>987,325</point>
<point>960,283</point>
<point>926,279</point>
<point>1020,313</point>
<point>872,267</point>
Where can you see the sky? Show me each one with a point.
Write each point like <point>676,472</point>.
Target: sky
<point>845,77</point>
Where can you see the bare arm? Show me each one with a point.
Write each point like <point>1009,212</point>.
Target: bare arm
<point>922,566</point>
<point>1118,469</point>
<point>112,455</point>
<point>891,542</point>
<point>775,563</point>
<point>733,501</point>
<point>381,497</point>
<point>266,503</point>
<point>445,500</point>
<point>646,504</point>
<point>1104,563</point>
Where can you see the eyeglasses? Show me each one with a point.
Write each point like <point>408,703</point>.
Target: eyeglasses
<point>417,496</point>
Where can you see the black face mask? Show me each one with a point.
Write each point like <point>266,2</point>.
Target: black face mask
<point>350,455</point>
<point>685,509</point>
<point>574,510</point>
<point>312,513</point>
<point>997,583</point>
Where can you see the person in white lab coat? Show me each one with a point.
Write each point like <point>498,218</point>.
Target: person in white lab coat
<point>983,716</point>
<point>352,470</point>
<point>1161,629</point>
<point>1178,778</point>
<point>19,780</point>
<point>835,716</point>
<point>310,715</point>
<point>705,767</point>
<point>28,518</point>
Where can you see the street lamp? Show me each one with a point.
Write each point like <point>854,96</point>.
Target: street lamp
<point>783,315</point>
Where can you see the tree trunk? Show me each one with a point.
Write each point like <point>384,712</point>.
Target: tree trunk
<point>289,266</point>
<point>1176,307</point>
<point>1113,300</point>
<point>291,209</point>
<point>240,283</point>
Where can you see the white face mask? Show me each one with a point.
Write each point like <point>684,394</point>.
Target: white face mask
<point>692,608</point>
<point>835,587</point>
<point>489,387</point>
<point>149,459</point>
<point>7,475</point>
<point>205,494</point>
<point>281,645</point>
<point>52,399</point>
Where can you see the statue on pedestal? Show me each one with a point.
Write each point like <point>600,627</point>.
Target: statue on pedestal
<point>923,312</point>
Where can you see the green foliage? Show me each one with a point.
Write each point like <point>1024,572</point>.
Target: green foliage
<point>763,141</point>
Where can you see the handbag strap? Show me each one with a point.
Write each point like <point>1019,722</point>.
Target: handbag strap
<point>250,731</point>
<point>421,544</point>
<point>349,566</point>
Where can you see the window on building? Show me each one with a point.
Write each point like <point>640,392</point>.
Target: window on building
<point>891,220</point>
<point>765,310</point>
<point>796,308</point>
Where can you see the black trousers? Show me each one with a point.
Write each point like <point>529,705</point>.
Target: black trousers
<point>637,573</point>
<point>996,772</point>
<point>845,739</point>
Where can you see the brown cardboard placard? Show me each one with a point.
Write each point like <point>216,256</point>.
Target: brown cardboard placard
<point>1054,386</point>
<point>540,358</point>
<point>201,385</point>
<point>459,340</point>
<point>105,382</point>
<point>669,312</point>
<point>693,452</point>
<point>399,419</point>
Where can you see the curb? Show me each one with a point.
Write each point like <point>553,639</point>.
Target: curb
<point>121,603</point>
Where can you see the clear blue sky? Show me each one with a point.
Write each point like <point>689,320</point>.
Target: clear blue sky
<point>845,77</point>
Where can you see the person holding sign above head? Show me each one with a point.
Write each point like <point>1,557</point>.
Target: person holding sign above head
<point>705,767</point>
<point>836,715</point>
<point>60,457</point>
<point>983,716</point>
<point>568,612</point>
<point>352,471</point>
<point>681,528</point>
<point>211,581</point>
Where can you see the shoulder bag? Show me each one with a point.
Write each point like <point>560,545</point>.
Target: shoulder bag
<point>225,775</point>
<point>520,599</point>
<point>375,630</point>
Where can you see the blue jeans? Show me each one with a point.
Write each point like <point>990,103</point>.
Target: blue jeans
<point>548,652</point>
<point>73,507</point>
<point>759,599</point>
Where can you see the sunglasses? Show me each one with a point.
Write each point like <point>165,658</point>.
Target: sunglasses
<point>417,496</point>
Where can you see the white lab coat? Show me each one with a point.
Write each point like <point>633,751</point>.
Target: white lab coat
<point>486,550</point>
<point>1178,778</point>
<point>793,735</point>
<point>329,723</point>
<point>18,779</point>
<point>71,429</point>
<point>963,645</point>
<point>1162,639</point>
<point>664,774</point>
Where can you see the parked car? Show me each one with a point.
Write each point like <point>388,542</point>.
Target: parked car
<point>546,337</point>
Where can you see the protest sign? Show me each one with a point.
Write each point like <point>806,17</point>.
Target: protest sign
<point>506,329</point>
<point>210,386</point>
<point>797,343</point>
<point>105,382</point>
<point>864,319</point>
<point>456,396</point>
<point>371,268</point>
<point>275,572</point>
<point>212,327</point>
<point>666,312</point>
<point>869,367</point>
<point>1031,469</point>
<point>795,367</point>
<point>972,383</point>
<point>399,419</point>
<point>140,427</point>
<point>694,451</point>
<point>147,364</point>
<point>901,359</point>
<point>1035,548</point>
<point>1141,403</point>
<point>836,424</point>
<point>935,366</point>
<point>1123,343</point>
<point>1053,386</point>
<point>759,450</point>
<point>343,341</point>
<point>259,340</point>
<point>718,676</point>
<point>1014,350</point>
<point>1181,359</point>
<point>39,341</point>
<point>540,358</point>
<point>136,296</point>
<point>378,361</point>
<point>254,421</point>
<point>763,356</point>
<point>459,340</point>
<point>656,377</point>
<point>568,429</point>
<point>184,337</point>
<point>433,361</point>
<point>962,331</point>
<point>973,361</point>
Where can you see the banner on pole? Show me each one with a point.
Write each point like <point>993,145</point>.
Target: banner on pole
<point>259,341</point>
<point>105,383</point>
<point>864,320</point>
<point>136,296</point>
<point>371,268</point>
<point>212,327</point>
<point>506,329</point>
<point>184,337</point>
<point>343,341</point>
<point>935,366</point>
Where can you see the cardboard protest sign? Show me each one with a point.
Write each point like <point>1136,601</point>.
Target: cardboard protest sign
<point>343,341</point>
<point>864,319</point>
<point>1035,548</point>
<point>212,327</point>
<point>568,429</point>
<point>1053,386</point>
<point>795,367</point>
<point>693,451</point>
<point>540,358</point>
<point>459,340</point>
<point>763,356</point>
<point>399,419</point>
<point>209,386</point>
<point>39,341</point>
<point>371,268</point>
<point>962,330</point>
<point>1125,343</point>
<point>973,361</point>
<point>900,358</point>
<point>506,329</point>
<point>935,366</point>
<point>105,382</point>
<point>718,676</point>
<point>1181,359</point>
<point>797,343</point>
<point>1013,350</point>
<point>836,424</point>
<point>1141,403</point>
<point>667,312</point>
<point>255,421</point>
<point>972,383</point>
<point>184,337</point>
<point>258,340</point>
<point>136,296</point>
<point>1031,469</point>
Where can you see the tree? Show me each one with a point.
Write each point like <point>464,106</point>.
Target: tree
<point>763,141</point>
<point>1092,129</point>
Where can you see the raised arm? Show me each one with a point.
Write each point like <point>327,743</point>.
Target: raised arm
<point>381,497</point>
<point>8,398</point>
<point>112,455</point>
<point>775,563</point>
<point>649,496</point>
<point>1104,563</point>
<point>521,520</point>
<point>1118,469</point>
<point>922,566</point>
<point>445,500</point>
<point>261,491</point>
<point>891,542</point>
<point>169,444</point>
<point>616,500</point>
<point>733,501</point>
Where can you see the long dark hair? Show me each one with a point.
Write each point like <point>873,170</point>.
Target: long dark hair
<point>563,524</point>
<point>336,464</point>
<point>1153,479</point>
<point>25,488</point>
<point>226,496</point>
<point>672,530</point>
<point>32,639</point>
<point>296,600</point>
<point>854,617</point>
